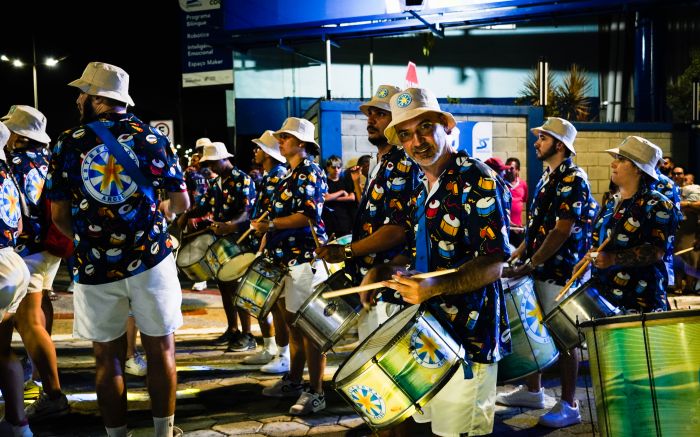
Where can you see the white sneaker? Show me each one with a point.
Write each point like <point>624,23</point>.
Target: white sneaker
<point>136,366</point>
<point>199,286</point>
<point>561,415</point>
<point>284,388</point>
<point>278,365</point>
<point>262,357</point>
<point>522,397</point>
<point>308,403</point>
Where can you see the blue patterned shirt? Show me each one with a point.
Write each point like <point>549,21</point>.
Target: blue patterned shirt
<point>268,185</point>
<point>10,210</point>
<point>301,191</point>
<point>561,194</point>
<point>228,198</point>
<point>119,231</point>
<point>385,202</point>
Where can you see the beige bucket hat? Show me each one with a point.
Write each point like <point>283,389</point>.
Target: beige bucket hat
<point>642,152</point>
<point>409,104</point>
<point>303,130</point>
<point>4,136</point>
<point>100,79</point>
<point>28,122</point>
<point>214,152</point>
<point>9,113</point>
<point>560,129</point>
<point>268,144</point>
<point>381,99</point>
<point>201,142</point>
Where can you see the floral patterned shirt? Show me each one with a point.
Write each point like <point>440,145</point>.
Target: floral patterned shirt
<point>10,210</point>
<point>560,194</point>
<point>119,231</point>
<point>30,167</point>
<point>268,184</point>
<point>668,188</point>
<point>385,202</point>
<point>647,218</point>
<point>300,191</point>
<point>228,198</point>
<point>466,217</point>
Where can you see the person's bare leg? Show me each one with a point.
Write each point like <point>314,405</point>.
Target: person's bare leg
<point>227,293</point>
<point>534,381</point>
<point>47,308</point>
<point>109,381</point>
<point>30,323</point>
<point>317,365</point>
<point>568,365</point>
<point>131,332</point>
<point>245,318</point>
<point>162,374</point>
<point>11,375</point>
<point>297,354</point>
<point>281,330</point>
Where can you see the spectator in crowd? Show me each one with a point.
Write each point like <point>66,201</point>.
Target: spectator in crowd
<point>666,166</point>
<point>519,194</point>
<point>340,202</point>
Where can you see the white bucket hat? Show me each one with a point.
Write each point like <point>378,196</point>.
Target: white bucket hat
<point>409,104</point>
<point>9,113</point>
<point>100,79</point>
<point>268,144</point>
<point>201,142</point>
<point>560,129</point>
<point>302,129</point>
<point>214,152</point>
<point>28,122</point>
<point>642,152</point>
<point>4,136</point>
<point>381,99</point>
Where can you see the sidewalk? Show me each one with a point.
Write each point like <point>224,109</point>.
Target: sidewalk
<point>218,395</point>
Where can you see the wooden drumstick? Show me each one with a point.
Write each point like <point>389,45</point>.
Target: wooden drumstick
<point>375,285</point>
<point>246,233</point>
<point>318,244</point>
<point>682,251</point>
<point>579,272</point>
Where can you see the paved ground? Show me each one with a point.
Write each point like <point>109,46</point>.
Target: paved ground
<point>217,395</point>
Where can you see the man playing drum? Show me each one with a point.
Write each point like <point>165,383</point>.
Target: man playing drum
<point>556,238</point>
<point>458,219</point>
<point>631,267</point>
<point>297,200</point>
<point>228,201</point>
<point>378,233</point>
<point>275,354</point>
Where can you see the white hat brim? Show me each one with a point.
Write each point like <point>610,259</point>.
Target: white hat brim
<point>390,131</point>
<point>295,134</point>
<point>216,158</point>
<point>536,130</point>
<point>41,137</point>
<point>645,167</point>
<point>88,89</point>
<point>270,151</point>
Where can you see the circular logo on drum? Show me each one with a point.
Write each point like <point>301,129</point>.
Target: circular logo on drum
<point>425,349</point>
<point>104,178</point>
<point>368,400</point>
<point>531,317</point>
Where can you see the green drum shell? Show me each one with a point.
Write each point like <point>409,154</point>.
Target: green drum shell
<point>533,348</point>
<point>392,385</point>
<point>260,287</point>
<point>646,373</point>
<point>199,264</point>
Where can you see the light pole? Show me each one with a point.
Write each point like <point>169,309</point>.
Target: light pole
<point>17,62</point>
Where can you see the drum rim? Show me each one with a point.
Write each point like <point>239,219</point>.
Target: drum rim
<point>183,245</point>
<point>265,309</point>
<point>519,280</point>
<point>578,290</point>
<point>230,260</point>
<point>652,318</point>
<point>436,388</point>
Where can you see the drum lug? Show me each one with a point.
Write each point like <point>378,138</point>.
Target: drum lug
<point>419,410</point>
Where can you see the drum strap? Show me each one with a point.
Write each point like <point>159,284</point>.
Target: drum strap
<point>422,248</point>
<point>117,150</point>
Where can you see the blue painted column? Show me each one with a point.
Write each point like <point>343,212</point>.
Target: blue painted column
<point>535,118</point>
<point>649,94</point>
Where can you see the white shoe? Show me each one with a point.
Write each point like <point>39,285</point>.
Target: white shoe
<point>278,365</point>
<point>136,366</point>
<point>308,403</point>
<point>522,397</point>
<point>262,357</point>
<point>199,286</point>
<point>561,415</point>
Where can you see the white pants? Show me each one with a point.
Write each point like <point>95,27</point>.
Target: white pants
<point>14,279</point>
<point>154,297</point>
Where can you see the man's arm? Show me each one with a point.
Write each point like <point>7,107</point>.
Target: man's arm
<point>385,238</point>
<point>61,216</point>
<point>179,202</point>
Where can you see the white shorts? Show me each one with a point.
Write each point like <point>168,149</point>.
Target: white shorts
<point>369,321</point>
<point>463,406</point>
<point>154,297</point>
<point>14,279</point>
<point>42,270</point>
<point>300,283</point>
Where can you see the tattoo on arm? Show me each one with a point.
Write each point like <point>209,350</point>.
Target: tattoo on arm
<point>473,275</point>
<point>643,255</point>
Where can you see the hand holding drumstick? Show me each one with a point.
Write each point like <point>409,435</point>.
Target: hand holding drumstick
<point>599,259</point>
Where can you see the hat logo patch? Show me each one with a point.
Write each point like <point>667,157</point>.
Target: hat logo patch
<point>383,92</point>
<point>404,100</point>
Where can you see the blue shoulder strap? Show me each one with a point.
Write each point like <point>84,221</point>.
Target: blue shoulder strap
<point>117,150</point>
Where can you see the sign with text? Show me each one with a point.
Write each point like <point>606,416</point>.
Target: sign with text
<point>205,61</point>
<point>166,128</point>
<point>476,138</point>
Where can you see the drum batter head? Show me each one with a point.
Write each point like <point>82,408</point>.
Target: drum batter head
<point>236,267</point>
<point>195,250</point>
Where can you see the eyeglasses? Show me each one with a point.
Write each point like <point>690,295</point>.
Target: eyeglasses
<point>424,129</point>
<point>678,173</point>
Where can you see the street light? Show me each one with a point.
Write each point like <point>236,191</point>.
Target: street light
<point>18,63</point>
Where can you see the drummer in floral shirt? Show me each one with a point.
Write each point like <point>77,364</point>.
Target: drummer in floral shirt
<point>228,203</point>
<point>458,220</point>
<point>638,222</point>
<point>297,200</point>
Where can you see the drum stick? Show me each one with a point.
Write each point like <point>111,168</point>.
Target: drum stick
<point>318,244</point>
<point>376,285</point>
<point>682,251</point>
<point>579,272</point>
<point>195,233</point>
<point>246,233</point>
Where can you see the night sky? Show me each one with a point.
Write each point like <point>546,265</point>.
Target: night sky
<point>142,37</point>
